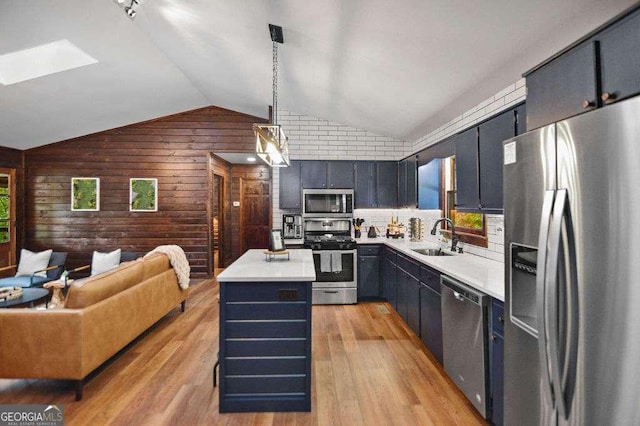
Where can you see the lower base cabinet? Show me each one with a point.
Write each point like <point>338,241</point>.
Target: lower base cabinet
<point>497,362</point>
<point>369,266</point>
<point>389,277</point>
<point>413,304</point>
<point>431,320</point>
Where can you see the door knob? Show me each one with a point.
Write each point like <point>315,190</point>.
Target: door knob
<point>588,104</point>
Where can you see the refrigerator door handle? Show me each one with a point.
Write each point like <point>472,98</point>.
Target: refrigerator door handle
<point>541,288</point>
<point>555,259</point>
<point>569,285</point>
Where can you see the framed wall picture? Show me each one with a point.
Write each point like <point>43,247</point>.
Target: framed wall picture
<point>143,195</point>
<point>85,194</point>
<point>276,243</point>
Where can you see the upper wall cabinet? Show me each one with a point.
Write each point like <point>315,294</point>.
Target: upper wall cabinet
<point>387,184</point>
<point>600,69</point>
<point>313,174</point>
<point>340,175</point>
<point>620,59</point>
<point>290,186</point>
<point>479,162</point>
<point>319,174</point>
<point>467,190</point>
<point>491,134</point>
<point>407,182</point>
<point>365,188</point>
<point>376,184</point>
<point>563,88</point>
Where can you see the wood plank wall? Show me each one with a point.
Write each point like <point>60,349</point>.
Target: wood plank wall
<point>175,149</point>
<point>13,159</point>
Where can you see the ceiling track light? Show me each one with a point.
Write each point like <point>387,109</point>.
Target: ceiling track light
<point>272,145</point>
<point>130,10</point>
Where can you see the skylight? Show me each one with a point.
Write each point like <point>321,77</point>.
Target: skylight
<point>50,58</point>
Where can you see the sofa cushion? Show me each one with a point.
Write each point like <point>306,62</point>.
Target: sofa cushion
<point>102,262</point>
<point>31,262</point>
<point>154,265</point>
<point>86,292</point>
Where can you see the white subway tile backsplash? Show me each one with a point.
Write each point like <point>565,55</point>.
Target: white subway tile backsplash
<point>311,138</point>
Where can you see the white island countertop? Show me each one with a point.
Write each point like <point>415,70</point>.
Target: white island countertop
<point>253,267</point>
<point>478,272</point>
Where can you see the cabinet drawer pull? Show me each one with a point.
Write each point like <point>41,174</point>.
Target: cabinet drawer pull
<point>608,97</point>
<point>588,104</point>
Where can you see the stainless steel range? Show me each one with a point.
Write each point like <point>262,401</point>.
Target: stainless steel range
<point>335,260</point>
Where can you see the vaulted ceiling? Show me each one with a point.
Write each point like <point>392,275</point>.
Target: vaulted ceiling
<point>397,68</point>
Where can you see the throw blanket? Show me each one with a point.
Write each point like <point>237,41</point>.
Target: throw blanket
<point>178,261</point>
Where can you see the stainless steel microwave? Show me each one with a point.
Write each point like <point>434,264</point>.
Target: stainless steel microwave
<point>327,202</point>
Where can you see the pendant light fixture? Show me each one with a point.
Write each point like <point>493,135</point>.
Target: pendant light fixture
<point>272,145</point>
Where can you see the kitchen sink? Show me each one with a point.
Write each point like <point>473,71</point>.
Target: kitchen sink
<point>433,252</point>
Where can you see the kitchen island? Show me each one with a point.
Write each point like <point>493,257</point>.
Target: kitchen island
<point>265,333</point>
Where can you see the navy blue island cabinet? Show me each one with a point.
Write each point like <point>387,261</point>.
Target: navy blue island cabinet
<point>265,333</point>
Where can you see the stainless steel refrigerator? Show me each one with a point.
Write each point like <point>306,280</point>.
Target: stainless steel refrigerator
<point>572,271</point>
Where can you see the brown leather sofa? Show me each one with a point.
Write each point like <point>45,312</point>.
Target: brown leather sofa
<point>101,315</point>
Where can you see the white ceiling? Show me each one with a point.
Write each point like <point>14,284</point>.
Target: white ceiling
<point>397,68</point>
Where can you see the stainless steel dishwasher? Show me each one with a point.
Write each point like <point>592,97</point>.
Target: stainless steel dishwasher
<point>464,339</point>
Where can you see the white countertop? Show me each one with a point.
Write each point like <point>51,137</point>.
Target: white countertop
<point>480,273</point>
<point>252,267</point>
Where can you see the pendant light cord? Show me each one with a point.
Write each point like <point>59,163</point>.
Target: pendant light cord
<point>275,83</point>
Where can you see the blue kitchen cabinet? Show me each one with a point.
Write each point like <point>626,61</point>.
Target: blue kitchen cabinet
<point>340,175</point>
<point>314,174</point>
<point>491,135</point>
<point>521,119</point>
<point>467,170</point>
<point>564,87</point>
<point>401,306</point>
<point>409,292</point>
<point>389,277</point>
<point>413,303</point>
<point>620,59</point>
<point>431,311</point>
<point>497,362</point>
<point>365,185</point>
<point>402,183</point>
<point>408,182</point>
<point>600,69</point>
<point>290,187</point>
<point>387,184</point>
<point>479,163</point>
<point>369,267</point>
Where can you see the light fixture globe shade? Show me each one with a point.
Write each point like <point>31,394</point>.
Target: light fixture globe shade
<point>272,145</point>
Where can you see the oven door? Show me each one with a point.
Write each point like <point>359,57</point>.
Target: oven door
<point>334,273</point>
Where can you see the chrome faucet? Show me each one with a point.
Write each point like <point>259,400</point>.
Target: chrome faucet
<point>454,237</point>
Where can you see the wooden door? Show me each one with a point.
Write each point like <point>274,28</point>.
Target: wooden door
<point>7,218</point>
<point>256,209</point>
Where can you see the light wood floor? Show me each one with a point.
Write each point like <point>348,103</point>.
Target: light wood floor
<point>368,369</point>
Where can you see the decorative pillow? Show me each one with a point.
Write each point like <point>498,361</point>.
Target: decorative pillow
<point>102,262</point>
<point>31,262</point>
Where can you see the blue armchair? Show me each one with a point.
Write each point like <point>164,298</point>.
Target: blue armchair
<point>53,272</point>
